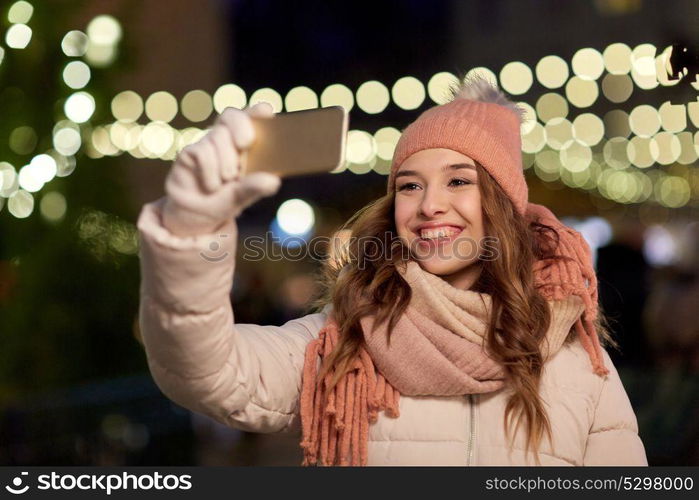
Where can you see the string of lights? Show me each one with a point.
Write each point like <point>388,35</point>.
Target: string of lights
<point>626,155</point>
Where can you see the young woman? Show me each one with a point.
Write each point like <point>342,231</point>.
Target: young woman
<point>458,326</point>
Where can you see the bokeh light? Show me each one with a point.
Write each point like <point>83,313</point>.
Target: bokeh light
<point>300,98</point>
<point>337,95</point>
<point>53,206</point>
<point>79,107</point>
<point>18,36</point>
<point>74,43</point>
<point>516,78</point>
<point>372,97</point>
<point>161,106</point>
<point>552,72</point>
<point>295,216</point>
<point>20,204</point>
<point>588,64</point>
<point>267,95</point>
<point>197,105</point>
<point>104,30</point>
<point>408,92</point>
<point>229,96</point>
<point>439,86</point>
<point>127,106</point>
<point>581,93</point>
<point>76,74</point>
<point>20,12</point>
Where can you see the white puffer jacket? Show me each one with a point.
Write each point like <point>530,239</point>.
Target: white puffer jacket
<point>249,376</point>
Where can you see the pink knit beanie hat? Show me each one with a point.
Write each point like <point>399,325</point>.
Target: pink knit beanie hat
<point>480,122</point>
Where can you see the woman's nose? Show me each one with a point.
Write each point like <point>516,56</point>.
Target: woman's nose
<point>433,203</point>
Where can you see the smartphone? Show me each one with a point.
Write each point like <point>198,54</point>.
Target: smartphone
<point>304,142</point>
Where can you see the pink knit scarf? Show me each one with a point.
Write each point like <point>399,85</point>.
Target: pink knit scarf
<point>437,348</point>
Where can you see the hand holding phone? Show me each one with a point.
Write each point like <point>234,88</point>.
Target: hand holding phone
<point>205,187</point>
<point>298,143</point>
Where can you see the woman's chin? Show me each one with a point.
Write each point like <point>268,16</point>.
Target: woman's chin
<point>442,267</point>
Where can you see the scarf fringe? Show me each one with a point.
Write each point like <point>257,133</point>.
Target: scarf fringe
<point>338,432</point>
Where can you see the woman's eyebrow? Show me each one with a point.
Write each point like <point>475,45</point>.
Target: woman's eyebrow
<point>455,166</point>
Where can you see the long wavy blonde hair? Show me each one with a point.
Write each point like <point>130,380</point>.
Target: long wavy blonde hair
<point>357,284</point>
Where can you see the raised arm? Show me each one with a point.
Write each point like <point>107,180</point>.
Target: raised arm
<point>246,376</point>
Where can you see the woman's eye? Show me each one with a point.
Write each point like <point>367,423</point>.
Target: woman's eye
<point>461,182</point>
<point>407,186</point>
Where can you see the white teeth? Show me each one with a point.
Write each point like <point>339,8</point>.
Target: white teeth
<point>438,233</point>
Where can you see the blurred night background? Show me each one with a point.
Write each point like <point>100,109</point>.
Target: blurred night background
<point>97,97</point>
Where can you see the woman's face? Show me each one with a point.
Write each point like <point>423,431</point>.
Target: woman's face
<point>438,213</point>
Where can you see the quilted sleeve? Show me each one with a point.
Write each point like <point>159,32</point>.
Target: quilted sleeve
<point>613,437</point>
<point>243,375</point>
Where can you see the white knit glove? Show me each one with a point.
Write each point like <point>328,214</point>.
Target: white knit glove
<point>204,187</point>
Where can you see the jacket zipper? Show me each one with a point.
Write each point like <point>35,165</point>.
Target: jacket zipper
<point>471,432</point>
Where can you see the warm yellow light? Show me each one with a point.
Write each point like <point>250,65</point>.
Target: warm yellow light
<point>643,70</point>
<point>9,183</point>
<point>67,141</point>
<point>535,139</point>
<point>642,151</point>
<point>157,138</point>
<point>23,140</point>
<point>361,147</point>
<point>669,148</point>
<point>617,88</point>
<point>528,117</point>
<point>337,95</point>
<point>617,58</point>
<point>76,74</point>
<point>616,123</point>
<point>101,141</point>
<point>673,117</point>
<point>552,72</point>
<point>588,63</point>
<point>74,43</point>
<point>269,95</point>
<point>53,206</point>
<point>20,12</point>
<point>671,191</point>
<point>386,139</point>
<point>644,120</point>
<point>44,167</point>
<point>588,129</point>
<point>483,72</point>
<point>127,106</point>
<point>575,156</point>
<point>197,105</point>
<point>372,97</point>
<point>21,204</point>
<point>161,106</point>
<point>689,152</point>
<point>300,98</point>
<point>408,92</point>
<point>440,85</point>
<point>559,133</point>
<point>100,56</point>
<point>104,30</point>
<point>615,153</point>
<point>551,105</point>
<point>29,179</point>
<point>516,78</point>
<point>18,36</point>
<point>79,107</point>
<point>229,95</point>
<point>581,93</point>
